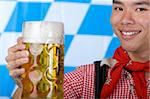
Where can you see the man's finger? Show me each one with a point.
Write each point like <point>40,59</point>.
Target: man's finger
<point>16,72</point>
<point>17,55</point>
<point>20,40</point>
<point>15,48</point>
<point>17,63</point>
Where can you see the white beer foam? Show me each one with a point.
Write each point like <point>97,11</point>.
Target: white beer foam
<point>43,32</point>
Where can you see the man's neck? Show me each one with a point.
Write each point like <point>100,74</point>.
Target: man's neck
<point>140,56</point>
<point>147,75</point>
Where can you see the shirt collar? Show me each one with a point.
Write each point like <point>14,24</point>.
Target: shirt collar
<point>109,61</point>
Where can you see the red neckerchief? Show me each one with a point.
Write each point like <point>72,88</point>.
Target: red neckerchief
<point>137,70</point>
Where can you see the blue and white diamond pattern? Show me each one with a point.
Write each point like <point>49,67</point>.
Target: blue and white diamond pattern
<point>88,32</point>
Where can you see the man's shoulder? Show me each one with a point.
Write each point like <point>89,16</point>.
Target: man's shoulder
<point>86,67</point>
<point>81,71</point>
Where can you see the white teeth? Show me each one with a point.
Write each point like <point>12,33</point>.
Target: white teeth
<point>129,33</point>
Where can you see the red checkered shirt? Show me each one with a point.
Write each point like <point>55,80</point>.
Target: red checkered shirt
<point>79,84</point>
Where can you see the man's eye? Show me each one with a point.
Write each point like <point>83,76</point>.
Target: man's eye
<point>141,9</point>
<point>118,8</point>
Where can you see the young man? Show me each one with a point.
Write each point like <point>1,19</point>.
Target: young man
<point>127,72</point>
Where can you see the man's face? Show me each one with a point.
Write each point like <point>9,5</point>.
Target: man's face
<point>131,23</point>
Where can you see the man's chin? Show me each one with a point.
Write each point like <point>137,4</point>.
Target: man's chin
<point>129,48</point>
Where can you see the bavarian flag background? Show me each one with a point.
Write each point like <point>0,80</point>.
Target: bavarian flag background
<point>88,32</point>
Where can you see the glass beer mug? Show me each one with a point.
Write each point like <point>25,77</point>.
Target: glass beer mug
<point>43,77</point>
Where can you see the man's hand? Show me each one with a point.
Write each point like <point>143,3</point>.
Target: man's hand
<point>17,56</point>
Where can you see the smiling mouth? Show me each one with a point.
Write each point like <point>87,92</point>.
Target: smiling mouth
<point>128,35</point>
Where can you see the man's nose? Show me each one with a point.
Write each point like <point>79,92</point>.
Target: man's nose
<point>127,18</point>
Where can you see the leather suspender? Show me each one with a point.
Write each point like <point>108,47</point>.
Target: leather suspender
<point>100,77</point>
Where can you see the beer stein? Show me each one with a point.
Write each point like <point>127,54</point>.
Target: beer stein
<point>44,73</point>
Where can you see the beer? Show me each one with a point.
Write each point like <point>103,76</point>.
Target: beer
<point>43,77</point>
